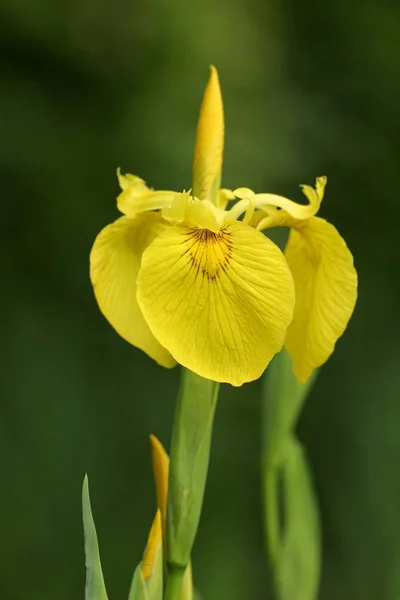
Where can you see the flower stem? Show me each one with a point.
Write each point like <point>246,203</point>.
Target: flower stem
<point>174,583</point>
<point>189,458</point>
<point>272,520</point>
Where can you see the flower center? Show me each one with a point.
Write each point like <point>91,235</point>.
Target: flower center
<point>209,252</point>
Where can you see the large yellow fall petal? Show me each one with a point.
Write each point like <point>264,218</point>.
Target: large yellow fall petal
<point>219,302</point>
<point>114,264</point>
<point>326,292</point>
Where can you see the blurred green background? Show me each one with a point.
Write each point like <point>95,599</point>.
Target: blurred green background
<point>89,85</point>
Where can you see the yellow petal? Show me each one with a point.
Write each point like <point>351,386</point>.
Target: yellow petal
<point>219,302</point>
<point>154,544</point>
<point>136,197</point>
<point>193,212</point>
<point>207,164</point>
<point>132,181</point>
<point>326,292</point>
<point>224,196</point>
<point>295,210</point>
<point>114,264</point>
<point>161,471</point>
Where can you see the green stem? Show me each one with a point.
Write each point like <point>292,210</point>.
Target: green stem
<point>189,458</point>
<point>272,521</point>
<point>174,583</point>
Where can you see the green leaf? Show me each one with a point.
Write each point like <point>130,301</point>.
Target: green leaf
<point>298,565</point>
<point>284,397</point>
<point>95,587</point>
<point>138,589</point>
<point>187,591</point>
<point>154,583</point>
<point>190,452</point>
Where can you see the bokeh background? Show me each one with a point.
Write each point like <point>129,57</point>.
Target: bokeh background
<point>310,88</point>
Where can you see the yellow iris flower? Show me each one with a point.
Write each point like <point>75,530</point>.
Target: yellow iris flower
<point>189,280</point>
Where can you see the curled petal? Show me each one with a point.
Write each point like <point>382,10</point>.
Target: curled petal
<point>219,302</point>
<point>295,210</point>
<point>326,292</point>
<point>136,197</point>
<point>114,264</point>
<point>132,181</point>
<point>243,193</point>
<point>224,196</point>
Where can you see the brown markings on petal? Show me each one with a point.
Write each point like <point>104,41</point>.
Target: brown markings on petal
<point>209,252</point>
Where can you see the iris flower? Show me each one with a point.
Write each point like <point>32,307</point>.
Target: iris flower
<point>191,277</point>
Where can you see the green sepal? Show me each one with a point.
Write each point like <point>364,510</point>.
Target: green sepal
<point>187,591</point>
<point>138,589</point>
<point>95,586</point>
<point>284,397</point>
<point>298,565</point>
<point>154,583</point>
<point>190,451</point>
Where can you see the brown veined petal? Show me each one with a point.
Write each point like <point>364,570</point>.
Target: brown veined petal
<point>114,264</point>
<point>219,302</point>
<point>326,292</point>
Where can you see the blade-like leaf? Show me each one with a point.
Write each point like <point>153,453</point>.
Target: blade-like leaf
<point>187,592</point>
<point>284,397</point>
<point>298,566</point>
<point>154,583</point>
<point>138,589</point>
<point>95,587</point>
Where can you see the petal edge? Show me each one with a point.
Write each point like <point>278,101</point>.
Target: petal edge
<point>114,264</point>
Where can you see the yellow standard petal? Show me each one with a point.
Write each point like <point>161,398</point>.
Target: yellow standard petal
<point>114,264</point>
<point>326,292</point>
<point>207,164</point>
<point>219,302</point>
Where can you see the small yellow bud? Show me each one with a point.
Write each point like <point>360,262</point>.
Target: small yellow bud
<point>207,165</point>
<point>154,544</point>
<point>161,470</point>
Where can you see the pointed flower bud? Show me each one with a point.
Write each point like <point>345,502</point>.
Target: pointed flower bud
<point>161,470</point>
<point>207,165</point>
